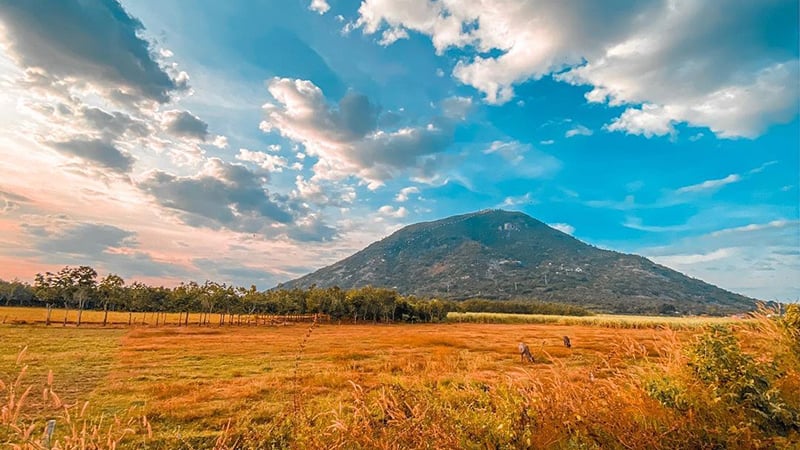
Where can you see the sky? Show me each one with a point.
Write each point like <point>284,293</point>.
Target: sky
<point>251,142</point>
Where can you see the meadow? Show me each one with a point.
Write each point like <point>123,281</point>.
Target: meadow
<point>37,316</point>
<point>642,383</point>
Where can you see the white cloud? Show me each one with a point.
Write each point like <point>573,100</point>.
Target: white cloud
<point>390,211</point>
<point>346,139</point>
<point>710,185</point>
<point>683,260</point>
<point>220,142</point>
<point>392,35</point>
<point>649,120</point>
<point>716,184</point>
<point>635,223</point>
<point>310,191</point>
<point>512,151</point>
<point>578,130</point>
<point>402,196</point>
<point>671,61</point>
<point>526,199</point>
<point>320,6</point>
<point>782,223</point>
<point>97,109</point>
<point>760,259</point>
<point>563,227</point>
<point>419,15</point>
<point>730,110</point>
<point>762,167</point>
<point>98,44</point>
<point>267,161</point>
<point>323,193</point>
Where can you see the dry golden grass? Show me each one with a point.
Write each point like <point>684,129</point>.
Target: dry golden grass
<point>456,385</point>
<point>199,377</point>
<point>31,316</point>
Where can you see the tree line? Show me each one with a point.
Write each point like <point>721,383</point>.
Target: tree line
<point>80,288</point>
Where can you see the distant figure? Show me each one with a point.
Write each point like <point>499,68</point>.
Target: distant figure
<point>567,343</point>
<point>525,352</point>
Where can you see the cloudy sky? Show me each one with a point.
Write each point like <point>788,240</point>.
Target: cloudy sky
<point>253,141</point>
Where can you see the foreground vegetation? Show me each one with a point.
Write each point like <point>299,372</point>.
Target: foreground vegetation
<point>727,385</point>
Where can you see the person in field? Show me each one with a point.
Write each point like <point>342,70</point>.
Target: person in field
<point>525,352</point>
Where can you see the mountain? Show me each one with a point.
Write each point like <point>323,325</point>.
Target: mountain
<point>497,254</point>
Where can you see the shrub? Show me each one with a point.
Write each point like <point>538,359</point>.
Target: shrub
<point>717,360</point>
<point>668,392</point>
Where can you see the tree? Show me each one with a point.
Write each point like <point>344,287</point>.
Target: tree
<point>337,302</point>
<point>111,289</point>
<point>71,285</point>
<point>355,303</point>
<point>83,283</point>
<point>136,299</point>
<point>251,301</point>
<point>16,292</point>
<point>209,299</point>
<point>46,289</point>
<point>184,298</point>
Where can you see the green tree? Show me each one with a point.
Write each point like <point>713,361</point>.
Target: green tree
<point>110,291</point>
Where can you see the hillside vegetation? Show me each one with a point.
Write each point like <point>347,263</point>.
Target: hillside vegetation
<point>508,255</point>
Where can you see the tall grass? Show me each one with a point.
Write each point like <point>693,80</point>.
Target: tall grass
<point>704,393</point>
<point>74,428</point>
<point>727,385</point>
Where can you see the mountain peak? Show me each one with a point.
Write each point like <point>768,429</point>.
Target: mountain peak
<point>500,254</point>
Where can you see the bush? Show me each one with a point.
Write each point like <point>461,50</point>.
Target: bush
<point>668,392</point>
<point>732,376</point>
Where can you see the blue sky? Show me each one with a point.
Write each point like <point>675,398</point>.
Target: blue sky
<point>251,142</point>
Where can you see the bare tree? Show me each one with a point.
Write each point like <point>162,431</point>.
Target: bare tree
<point>524,352</point>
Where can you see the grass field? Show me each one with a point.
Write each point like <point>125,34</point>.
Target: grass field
<point>601,320</point>
<point>453,385</point>
<point>33,316</point>
<point>38,316</point>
